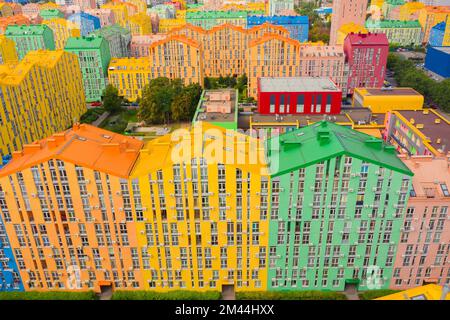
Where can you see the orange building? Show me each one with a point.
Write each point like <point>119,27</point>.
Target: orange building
<point>69,219</point>
<point>430,16</point>
<point>17,19</point>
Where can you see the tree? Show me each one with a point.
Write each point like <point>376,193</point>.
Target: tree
<point>157,97</point>
<point>440,94</point>
<point>184,104</point>
<point>111,100</point>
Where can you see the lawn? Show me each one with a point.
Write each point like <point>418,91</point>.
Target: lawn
<point>118,122</point>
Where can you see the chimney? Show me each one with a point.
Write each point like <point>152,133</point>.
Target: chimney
<point>111,147</point>
<point>445,291</point>
<point>59,137</point>
<point>31,148</point>
<point>17,154</point>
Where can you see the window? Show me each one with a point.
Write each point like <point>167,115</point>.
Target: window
<point>272,103</point>
<point>445,190</point>
<point>300,103</point>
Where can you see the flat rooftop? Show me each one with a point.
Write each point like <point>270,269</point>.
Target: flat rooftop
<point>443,49</point>
<point>303,120</point>
<point>297,84</point>
<point>431,129</point>
<point>390,92</point>
<point>202,115</point>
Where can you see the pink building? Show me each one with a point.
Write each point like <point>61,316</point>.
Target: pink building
<point>346,11</point>
<point>70,9</point>
<point>85,4</point>
<point>366,56</point>
<point>423,250</point>
<point>106,16</point>
<point>140,44</point>
<point>30,10</point>
<point>155,22</point>
<point>17,8</point>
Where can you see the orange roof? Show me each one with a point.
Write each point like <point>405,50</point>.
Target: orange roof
<point>271,36</point>
<point>175,37</point>
<point>84,145</point>
<point>16,19</point>
<point>225,26</point>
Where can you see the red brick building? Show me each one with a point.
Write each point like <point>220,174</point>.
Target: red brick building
<point>366,56</point>
<point>298,95</point>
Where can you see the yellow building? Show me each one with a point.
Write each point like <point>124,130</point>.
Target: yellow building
<point>8,53</point>
<point>120,11</point>
<point>140,24</point>
<point>347,28</point>
<point>427,292</point>
<point>62,30</point>
<point>446,40</point>
<point>5,10</point>
<point>430,16</point>
<point>42,95</point>
<point>180,14</point>
<point>141,5</point>
<point>384,100</point>
<point>410,11</point>
<point>166,25</point>
<point>203,192</point>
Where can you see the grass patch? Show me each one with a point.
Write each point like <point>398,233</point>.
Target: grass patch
<point>91,115</point>
<point>48,295</point>
<point>373,294</point>
<point>290,295</point>
<point>173,295</point>
<point>118,122</point>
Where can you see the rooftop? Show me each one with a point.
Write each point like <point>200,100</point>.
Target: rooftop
<point>88,42</point>
<point>277,19</point>
<point>84,145</point>
<point>440,26</point>
<point>443,49</point>
<point>395,2</point>
<point>111,30</point>
<point>208,96</point>
<point>323,140</point>
<point>392,24</point>
<point>427,292</point>
<point>34,29</point>
<point>388,92</point>
<point>367,38</point>
<point>297,84</point>
<point>217,14</point>
<point>432,124</point>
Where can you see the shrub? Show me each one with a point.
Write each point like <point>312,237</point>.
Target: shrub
<point>91,115</point>
<point>373,294</point>
<point>173,295</point>
<point>290,295</point>
<point>48,295</point>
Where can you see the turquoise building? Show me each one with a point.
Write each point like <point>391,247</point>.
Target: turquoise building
<point>338,198</point>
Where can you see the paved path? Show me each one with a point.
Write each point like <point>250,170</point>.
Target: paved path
<point>100,119</point>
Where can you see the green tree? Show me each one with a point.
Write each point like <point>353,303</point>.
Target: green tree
<point>185,103</point>
<point>440,94</point>
<point>111,100</point>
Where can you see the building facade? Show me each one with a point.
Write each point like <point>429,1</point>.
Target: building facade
<point>62,30</point>
<point>437,60</point>
<point>8,53</point>
<point>48,96</point>
<point>347,28</point>
<point>93,56</point>
<point>118,39</point>
<point>425,236</point>
<point>346,11</point>
<point>405,33</point>
<point>298,26</point>
<point>278,7</point>
<point>51,14</point>
<point>140,24</point>
<point>13,20</point>
<point>86,22</point>
<point>140,45</point>
<point>326,229</point>
<point>106,16</point>
<point>32,37</point>
<point>366,56</point>
<point>430,16</point>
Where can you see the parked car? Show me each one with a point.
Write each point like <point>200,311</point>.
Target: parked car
<point>96,104</point>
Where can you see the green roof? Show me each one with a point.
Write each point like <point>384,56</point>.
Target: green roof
<point>89,42</point>
<point>51,13</point>
<point>392,24</point>
<point>33,29</point>
<point>111,30</point>
<point>395,2</point>
<point>324,140</point>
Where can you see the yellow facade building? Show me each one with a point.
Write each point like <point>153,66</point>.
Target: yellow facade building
<point>140,5</point>
<point>62,30</point>
<point>430,16</point>
<point>347,28</point>
<point>410,11</point>
<point>166,25</point>
<point>140,24</point>
<point>120,11</point>
<point>8,52</point>
<point>426,292</point>
<point>384,100</point>
<point>41,95</point>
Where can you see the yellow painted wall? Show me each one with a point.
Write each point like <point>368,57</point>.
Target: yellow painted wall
<point>383,104</point>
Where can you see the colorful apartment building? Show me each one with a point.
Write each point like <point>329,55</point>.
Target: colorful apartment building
<point>426,292</point>
<point>106,16</point>
<point>86,22</point>
<point>405,33</point>
<point>297,26</point>
<point>32,37</point>
<point>366,56</point>
<point>163,11</point>
<point>438,33</point>
<point>118,39</point>
<point>5,10</point>
<point>51,14</point>
<point>30,10</point>
<point>387,99</point>
<point>346,11</point>
<point>13,20</point>
<point>423,132</point>
<point>389,5</point>
<point>85,4</point>
<point>62,30</point>
<point>425,235</point>
<point>93,56</point>
<point>140,45</point>
<point>410,11</point>
<point>141,5</point>
<point>346,29</point>
<point>16,7</point>
<point>8,52</point>
<point>298,95</point>
<point>326,229</point>
<point>120,12</point>
<point>48,96</point>
<point>166,25</point>
<point>430,16</point>
<point>140,24</point>
<point>437,60</point>
<point>280,7</point>
<point>209,19</point>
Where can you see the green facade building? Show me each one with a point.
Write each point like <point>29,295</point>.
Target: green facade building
<point>398,32</point>
<point>210,19</point>
<point>48,14</point>
<point>338,198</point>
<point>94,56</point>
<point>32,37</point>
<point>118,38</point>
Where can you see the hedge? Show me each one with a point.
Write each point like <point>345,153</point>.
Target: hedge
<point>373,294</point>
<point>290,295</point>
<point>48,295</point>
<point>173,295</point>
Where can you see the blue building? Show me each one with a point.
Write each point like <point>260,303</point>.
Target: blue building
<point>298,26</point>
<point>437,35</point>
<point>323,10</point>
<point>9,273</point>
<point>87,22</point>
<point>437,60</point>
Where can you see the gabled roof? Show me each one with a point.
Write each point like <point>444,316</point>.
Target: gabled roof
<point>324,140</point>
